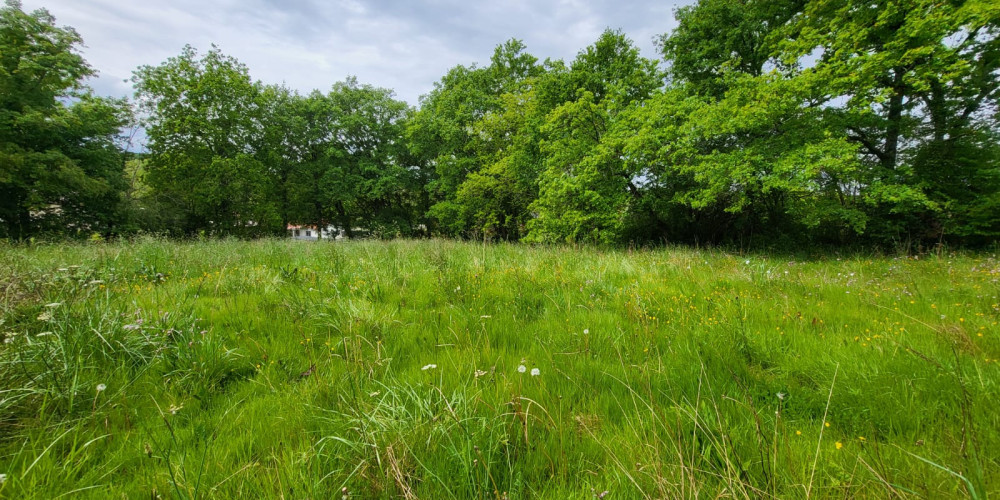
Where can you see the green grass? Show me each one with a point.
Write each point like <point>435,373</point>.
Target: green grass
<point>275,369</point>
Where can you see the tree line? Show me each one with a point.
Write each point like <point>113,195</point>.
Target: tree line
<point>827,121</point>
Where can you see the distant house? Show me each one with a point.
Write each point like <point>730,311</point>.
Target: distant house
<point>312,233</point>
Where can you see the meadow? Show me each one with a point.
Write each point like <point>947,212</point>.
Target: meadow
<point>446,370</point>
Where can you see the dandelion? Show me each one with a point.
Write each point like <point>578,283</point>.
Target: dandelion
<point>101,387</point>
<point>535,372</point>
<point>522,369</point>
<point>839,445</point>
<point>781,396</point>
<point>586,331</point>
<point>826,424</point>
<point>798,433</point>
<point>429,367</point>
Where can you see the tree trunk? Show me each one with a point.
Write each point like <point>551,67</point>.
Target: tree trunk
<point>894,127</point>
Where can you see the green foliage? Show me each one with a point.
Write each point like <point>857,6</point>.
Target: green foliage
<point>205,119</point>
<point>829,121</point>
<point>589,190</point>
<point>714,37</point>
<point>61,166</point>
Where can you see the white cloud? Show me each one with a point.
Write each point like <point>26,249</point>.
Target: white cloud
<point>308,44</point>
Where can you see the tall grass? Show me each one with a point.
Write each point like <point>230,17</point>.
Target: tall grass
<point>404,369</point>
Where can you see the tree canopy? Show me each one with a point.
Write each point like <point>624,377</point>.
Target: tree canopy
<point>824,121</point>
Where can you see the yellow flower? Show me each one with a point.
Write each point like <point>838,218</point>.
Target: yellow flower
<point>839,445</point>
<point>826,424</point>
<point>798,433</point>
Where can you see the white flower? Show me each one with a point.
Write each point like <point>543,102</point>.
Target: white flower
<point>781,396</point>
<point>747,262</point>
<point>535,372</point>
<point>586,331</point>
<point>522,368</point>
<point>429,367</point>
<point>101,387</point>
<point>480,373</point>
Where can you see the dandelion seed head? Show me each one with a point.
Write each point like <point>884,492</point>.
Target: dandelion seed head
<point>101,387</point>
<point>535,372</point>
<point>522,368</point>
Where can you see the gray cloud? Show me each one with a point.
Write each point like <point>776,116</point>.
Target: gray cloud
<point>310,44</point>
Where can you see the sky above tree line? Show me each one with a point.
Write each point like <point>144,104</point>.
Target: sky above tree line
<point>404,45</point>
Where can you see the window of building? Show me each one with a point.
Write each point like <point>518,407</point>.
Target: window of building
<point>309,233</point>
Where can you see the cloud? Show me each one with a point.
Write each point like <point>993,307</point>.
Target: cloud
<point>310,44</point>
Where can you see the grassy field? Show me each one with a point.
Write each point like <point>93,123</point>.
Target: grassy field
<point>437,370</point>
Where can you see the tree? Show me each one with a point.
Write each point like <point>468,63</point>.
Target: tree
<point>919,83</point>
<point>589,190</point>
<point>716,36</point>
<point>206,128</point>
<point>368,185</point>
<point>61,163</point>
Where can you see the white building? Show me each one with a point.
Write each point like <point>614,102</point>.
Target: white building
<point>311,233</point>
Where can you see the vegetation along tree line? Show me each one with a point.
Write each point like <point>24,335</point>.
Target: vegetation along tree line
<point>826,121</point>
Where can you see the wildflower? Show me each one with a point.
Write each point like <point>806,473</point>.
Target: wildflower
<point>781,396</point>
<point>839,445</point>
<point>101,387</point>
<point>862,439</point>
<point>522,369</point>
<point>535,372</point>
<point>480,373</point>
<point>826,424</point>
<point>798,433</point>
<point>429,367</point>
<point>586,331</point>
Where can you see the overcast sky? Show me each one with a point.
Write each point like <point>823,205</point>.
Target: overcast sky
<point>405,45</point>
